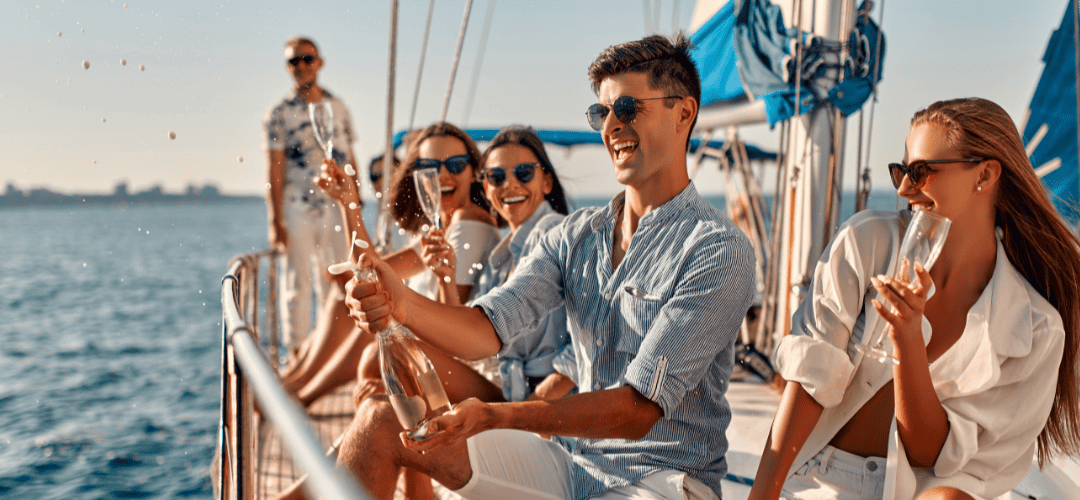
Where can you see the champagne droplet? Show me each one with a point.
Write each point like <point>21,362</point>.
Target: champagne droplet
<point>59,34</point>
<point>123,62</point>
<point>352,206</point>
<point>337,228</point>
<point>240,159</point>
<point>142,68</point>
<point>172,135</point>
<point>349,170</point>
<point>85,64</point>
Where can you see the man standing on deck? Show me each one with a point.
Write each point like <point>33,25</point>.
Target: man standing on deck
<point>655,286</point>
<point>302,219</point>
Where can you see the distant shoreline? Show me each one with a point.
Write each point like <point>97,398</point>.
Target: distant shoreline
<point>13,198</point>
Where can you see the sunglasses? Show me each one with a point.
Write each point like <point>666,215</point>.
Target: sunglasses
<point>625,109</point>
<point>454,164</point>
<point>496,176</point>
<point>307,58</point>
<point>917,170</point>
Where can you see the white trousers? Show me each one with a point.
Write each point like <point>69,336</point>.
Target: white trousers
<point>834,474</point>
<point>313,245</point>
<point>509,464</point>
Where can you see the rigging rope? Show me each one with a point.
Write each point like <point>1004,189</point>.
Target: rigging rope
<point>675,18</point>
<point>457,58</point>
<point>479,62</point>
<point>656,17</point>
<point>420,70</point>
<point>645,14</point>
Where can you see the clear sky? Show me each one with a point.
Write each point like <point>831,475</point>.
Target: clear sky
<point>213,68</point>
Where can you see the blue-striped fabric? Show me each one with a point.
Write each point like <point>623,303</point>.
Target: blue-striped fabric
<point>664,322</point>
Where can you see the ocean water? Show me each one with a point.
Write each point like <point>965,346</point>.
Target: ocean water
<point>110,345</point>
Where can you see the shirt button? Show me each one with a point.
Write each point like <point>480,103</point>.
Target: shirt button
<point>871,466</point>
<point>596,386</point>
<point>599,342</point>
<point>607,296</point>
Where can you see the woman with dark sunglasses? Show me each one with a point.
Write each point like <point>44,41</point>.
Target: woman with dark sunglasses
<point>986,339</point>
<point>470,228</point>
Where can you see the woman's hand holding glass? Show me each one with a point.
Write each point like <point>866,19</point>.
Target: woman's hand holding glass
<point>338,185</point>
<point>438,255</point>
<point>904,311</point>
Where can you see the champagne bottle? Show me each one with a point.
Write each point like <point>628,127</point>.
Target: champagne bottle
<point>415,390</point>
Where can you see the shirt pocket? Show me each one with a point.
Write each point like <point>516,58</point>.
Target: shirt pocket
<point>639,306</point>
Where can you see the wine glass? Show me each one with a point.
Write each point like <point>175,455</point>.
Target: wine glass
<point>923,240</point>
<point>429,192</point>
<point>322,121</point>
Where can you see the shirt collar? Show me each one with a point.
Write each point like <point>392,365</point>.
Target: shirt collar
<point>517,241</point>
<point>510,247</point>
<point>998,326</point>
<point>294,96</point>
<point>671,208</point>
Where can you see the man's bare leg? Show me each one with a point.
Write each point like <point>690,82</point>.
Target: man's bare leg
<point>372,450</point>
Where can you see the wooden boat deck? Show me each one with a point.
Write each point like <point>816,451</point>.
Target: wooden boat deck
<point>330,415</point>
<point>753,404</point>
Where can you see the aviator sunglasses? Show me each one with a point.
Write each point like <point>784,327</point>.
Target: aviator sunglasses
<point>918,170</point>
<point>308,58</point>
<point>496,176</point>
<point>454,164</point>
<point>625,109</point>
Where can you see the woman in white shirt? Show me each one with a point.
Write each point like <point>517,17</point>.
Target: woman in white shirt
<point>986,339</point>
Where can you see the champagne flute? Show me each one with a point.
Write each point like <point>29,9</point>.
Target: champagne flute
<point>429,192</point>
<point>923,240</point>
<point>322,121</point>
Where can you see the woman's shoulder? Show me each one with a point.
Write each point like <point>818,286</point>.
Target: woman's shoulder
<point>471,214</point>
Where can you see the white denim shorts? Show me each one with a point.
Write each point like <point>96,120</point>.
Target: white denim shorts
<point>837,475</point>
<point>508,464</point>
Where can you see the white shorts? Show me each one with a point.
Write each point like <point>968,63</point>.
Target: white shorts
<point>509,464</point>
<point>837,475</point>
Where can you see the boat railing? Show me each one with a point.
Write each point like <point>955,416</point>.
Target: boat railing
<point>247,376</point>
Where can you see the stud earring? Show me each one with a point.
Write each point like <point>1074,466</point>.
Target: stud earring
<point>978,188</point>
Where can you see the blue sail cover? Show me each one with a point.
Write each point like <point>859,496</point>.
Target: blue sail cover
<point>1054,105</point>
<point>763,42</point>
<point>570,138</point>
<point>715,57</point>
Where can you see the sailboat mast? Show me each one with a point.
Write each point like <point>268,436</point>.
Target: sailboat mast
<point>813,164</point>
<point>388,157</point>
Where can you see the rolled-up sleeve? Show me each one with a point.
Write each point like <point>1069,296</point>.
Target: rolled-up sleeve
<point>700,319</point>
<point>814,354</point>
<point>992,432</point>
<point>534,290</point>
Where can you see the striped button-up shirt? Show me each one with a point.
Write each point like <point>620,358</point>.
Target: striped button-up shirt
<point>664,322</point>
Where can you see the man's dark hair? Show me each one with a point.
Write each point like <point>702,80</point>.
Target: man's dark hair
<point>667,64</point>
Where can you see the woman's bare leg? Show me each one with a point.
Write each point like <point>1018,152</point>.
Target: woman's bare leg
<point>333,330</point>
